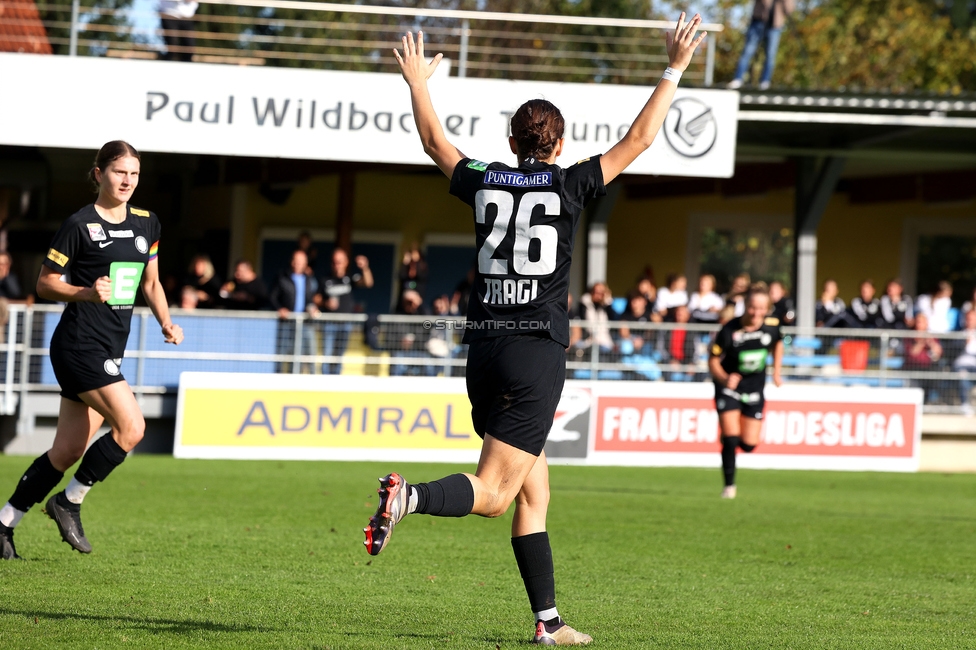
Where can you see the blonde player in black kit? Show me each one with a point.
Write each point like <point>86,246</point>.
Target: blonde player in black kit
<point>97,261</point>
<point>525,221</point>
<point>738,367</point>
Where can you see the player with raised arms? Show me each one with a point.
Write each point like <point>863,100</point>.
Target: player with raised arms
<point>738,368</point>
<point>525,220</point>
<point>97,261</point>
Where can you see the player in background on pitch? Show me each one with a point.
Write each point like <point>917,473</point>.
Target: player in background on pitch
<point>738,367</point>
<point>98,259</point>
<point>525,220</point>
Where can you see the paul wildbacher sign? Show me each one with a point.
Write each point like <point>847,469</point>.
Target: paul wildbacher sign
<point>301,113</point>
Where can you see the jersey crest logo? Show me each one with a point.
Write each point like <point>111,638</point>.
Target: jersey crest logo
<point>476,165</point>
<point>139,213</point>
<point>141,244</point>
<point>96,232</point>
<point>58,258</point>
<point>518,179</point>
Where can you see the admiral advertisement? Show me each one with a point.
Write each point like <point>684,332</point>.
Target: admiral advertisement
<point>176,107</point>
<point>304,417</point>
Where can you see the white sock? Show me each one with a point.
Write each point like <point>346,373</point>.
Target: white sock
<point>76,491</point>
<point>412,501</point>
<point>547,615</point>
<point>10,516</point>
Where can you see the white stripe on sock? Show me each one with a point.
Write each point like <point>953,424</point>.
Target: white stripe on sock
<point>10,516</point>
<point>76,491</point>
<point>547,615</point>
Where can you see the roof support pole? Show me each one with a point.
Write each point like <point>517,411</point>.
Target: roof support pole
<point>598,214</point>
<point>814,187</point>
<point>346,210</point>
<point>73,42</point>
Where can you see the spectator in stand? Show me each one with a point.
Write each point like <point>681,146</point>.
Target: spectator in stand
<point>938,309</point>
<point>413,272</point>
<point>638,340</point>
<point>9,285</point>
<point>768,19</point>
<point>176,20</point>
<point>897,309</point>
<point>965,363</point>
<point>679,345</point>
<point>923,352</point>
<point>675,294</point>
<point>647,289</point>
<point>305,244</point>
<point>865,310</point>
<point>336,298</point>
<point>294,293</point>
<point>705,304</point>
<point>440,341</point>
<point>189,299</point>
<point>411,304</point>
<point>246,290</point>
<point>967,307</point>
<point>737,294</point>
<point>781,303</point>
<point>462,292</point>
<point>202,277</point>
<point>595,308</point>
<point>831,310</point>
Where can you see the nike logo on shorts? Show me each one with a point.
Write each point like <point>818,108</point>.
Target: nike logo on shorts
<point>105,243</point>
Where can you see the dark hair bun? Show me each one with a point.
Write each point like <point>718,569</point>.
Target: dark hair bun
<point>537,127</point>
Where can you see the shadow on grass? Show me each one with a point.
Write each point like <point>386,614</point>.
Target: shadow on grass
<point>144,623</point>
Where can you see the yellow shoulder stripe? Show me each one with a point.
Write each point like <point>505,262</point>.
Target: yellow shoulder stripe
<point>772,321</point>
<point>138,212</point>
<point>56,257</point>
<point>716,349</point>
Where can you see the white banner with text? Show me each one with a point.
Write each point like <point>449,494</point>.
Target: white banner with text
<point>196,108</point>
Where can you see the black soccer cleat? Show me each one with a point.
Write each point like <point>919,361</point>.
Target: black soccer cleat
<point>394,496</point>
<point>7,550</point>
<point>67,516</point>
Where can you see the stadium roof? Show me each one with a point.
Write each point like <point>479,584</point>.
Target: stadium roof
<point>21,29</point>
<point>890,131</point>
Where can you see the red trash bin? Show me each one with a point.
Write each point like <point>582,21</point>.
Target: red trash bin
<point>854,355</point>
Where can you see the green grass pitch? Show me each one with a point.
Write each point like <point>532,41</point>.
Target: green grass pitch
<point>236,554</point>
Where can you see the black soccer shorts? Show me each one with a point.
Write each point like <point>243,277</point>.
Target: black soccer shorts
<point>514,384</point>
<point>78,371</point>
<point>745,399</point>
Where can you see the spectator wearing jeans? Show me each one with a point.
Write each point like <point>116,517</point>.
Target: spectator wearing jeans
<point>705,304</point>
<point>897,309</point>
<point>336,298</point>
<point>176,18</point>
<point>768,19</point>
<point>938,309</point>
<point>965,363</point>
<point>294,293</point>
<point>865,310</point>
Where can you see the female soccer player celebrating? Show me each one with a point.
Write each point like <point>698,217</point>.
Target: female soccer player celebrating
<point>515,369</point>
<point>738,367</point>
<point>98,259</point>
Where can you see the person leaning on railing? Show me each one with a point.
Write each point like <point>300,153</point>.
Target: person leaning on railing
<point>294,293</point>
<point>965,363</point>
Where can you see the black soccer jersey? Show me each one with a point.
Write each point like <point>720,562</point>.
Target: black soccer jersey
<point>525,222</point>
<point>86,248</point>
<point>744,352</point>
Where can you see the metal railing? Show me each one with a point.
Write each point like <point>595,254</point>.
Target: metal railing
<point>943,365</point>
<point>360,37</point>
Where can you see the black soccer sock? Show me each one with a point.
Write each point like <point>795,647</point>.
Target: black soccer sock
<point>39,479</point>
<point>451,496</point>
<point>99,461</point>
<point>746,448</point>
<point>534,557</point>
<point>729,444</point>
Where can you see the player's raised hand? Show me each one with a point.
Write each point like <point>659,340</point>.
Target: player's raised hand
<point>413,65</point>
<point>101,290</point>
<point>683,43</point>
<point>173,334</point>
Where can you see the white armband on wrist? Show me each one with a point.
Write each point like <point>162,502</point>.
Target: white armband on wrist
<point>672,75</point>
